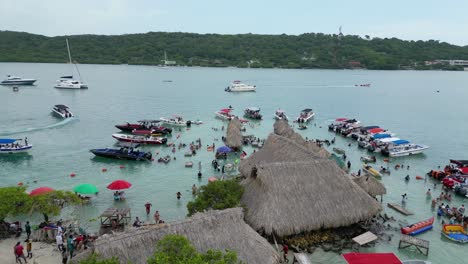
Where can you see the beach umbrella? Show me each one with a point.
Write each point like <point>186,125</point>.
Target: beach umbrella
<point>224,149</point>
<point>119,185</point>
<point>41,190</point>
<point>85,188</point>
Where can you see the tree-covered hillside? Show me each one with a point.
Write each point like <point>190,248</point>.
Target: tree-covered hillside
<point>311,50</point>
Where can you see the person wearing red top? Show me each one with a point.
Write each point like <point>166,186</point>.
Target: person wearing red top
<point>148,207</point>
<point>19,252</point>
<point>285,252</point>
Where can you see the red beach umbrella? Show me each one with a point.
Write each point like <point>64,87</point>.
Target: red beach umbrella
<point>119,185</point>
<point>41,190</point>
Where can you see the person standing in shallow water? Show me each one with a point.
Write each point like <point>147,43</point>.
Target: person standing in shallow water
<point>178,195</point>
<point>148,207</point>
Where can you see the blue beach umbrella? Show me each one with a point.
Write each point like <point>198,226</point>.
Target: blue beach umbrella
<point>224,149</point>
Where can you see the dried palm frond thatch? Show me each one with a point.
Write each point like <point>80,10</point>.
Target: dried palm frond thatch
<point>221,230</point>
<point>234,134</point>
<point>371,185</point>
<point>282,128</point>
<point>287,198</point>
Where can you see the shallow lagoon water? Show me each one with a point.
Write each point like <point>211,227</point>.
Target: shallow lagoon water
<point>405,102</point>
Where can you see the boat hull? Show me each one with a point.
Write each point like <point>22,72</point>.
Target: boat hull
<point>173,122</point>
<point>18,82</point>
<point>62,115</point>
<point>223,117</point>
<point>21,149</point>
<point>140,139</point>
<point>117,154</point>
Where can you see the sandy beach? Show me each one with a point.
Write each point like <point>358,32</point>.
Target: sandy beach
<point>43,253</point>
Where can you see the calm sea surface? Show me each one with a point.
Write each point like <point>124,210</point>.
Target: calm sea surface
<point>405,102</point>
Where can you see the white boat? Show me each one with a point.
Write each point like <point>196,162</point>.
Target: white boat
<point>12,146</point>
<point>406,150</point>
<point>280,114</point>
<point>238,86</point>
<point>305,116</point>
<point>175,120</point>
<point>225,114</point>
<point>153,140</point>
<point>67,82</point>
<point>15,80</point>
<point>62,111</point>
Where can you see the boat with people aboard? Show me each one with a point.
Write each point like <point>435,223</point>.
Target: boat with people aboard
<point>455,233</point>
<point>124,153</point>
<point>175,120</point>
<point>12,145</point>
<point>305,116</point>
<point>404,149</point>
<point>62,111</point>
<point>140,139</point>
<point>225,114</point>
<point>15,80</point>
<point>253,113</point>
<point>238,86</point>
<point>418,228</point>
<point>67,82</point>
<point>280,114</point>
<point>145,127</point>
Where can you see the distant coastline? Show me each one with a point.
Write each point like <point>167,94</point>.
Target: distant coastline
<point>305,51</point>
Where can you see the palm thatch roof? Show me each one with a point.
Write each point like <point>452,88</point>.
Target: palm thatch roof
<point>234,134</point>
<point>287,198</point>
<point>371,185</point>
<point>276,149</point>
<point>221,230</point>
<point>282,128</point>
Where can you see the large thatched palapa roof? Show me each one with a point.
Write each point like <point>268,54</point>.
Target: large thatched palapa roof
<point>282,128</point>
<point>221,230</point>
<point>234,134</point>
<point>371,185</point>
<point>276,149</point>
<point>286,198</point>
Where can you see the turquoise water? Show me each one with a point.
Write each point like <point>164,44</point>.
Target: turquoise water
<point>405,102</point>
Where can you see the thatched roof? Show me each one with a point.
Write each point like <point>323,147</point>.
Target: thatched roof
<point>282,128</point>
<point>234,134</point>
<point>276,149</point>
<point>221,230</point>
<point>286,198</point>
<point>371,185</point>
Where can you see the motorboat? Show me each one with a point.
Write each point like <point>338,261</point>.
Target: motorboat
<point>11,146</point>
<point>15,80</point>
<point>62,111</point>
<point>125,153</point>
<point>280,114</point>
<point>305,116</point>
<point>238,86</point>
<point>143,126</point>
<point>225,114</point>
<point>67,82</point>
<point>405,150</point>
<point>175,120</point>
<point>253,113</point>
<point>140,139</point>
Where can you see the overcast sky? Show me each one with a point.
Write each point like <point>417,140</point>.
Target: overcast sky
<point>405,19</point>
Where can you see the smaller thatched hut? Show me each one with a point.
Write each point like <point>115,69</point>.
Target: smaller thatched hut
<point>288,198</point>
<point>282,128</point>
<point>234,134</point>
<point>371,185</point>
<point>221,230</point>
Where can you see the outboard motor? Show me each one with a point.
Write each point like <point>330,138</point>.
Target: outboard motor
<point>189,123</point>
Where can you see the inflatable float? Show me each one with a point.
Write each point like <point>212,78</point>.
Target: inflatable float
<point>418,228</point>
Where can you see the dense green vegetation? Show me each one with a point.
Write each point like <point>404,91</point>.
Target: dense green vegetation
<point>176,249</point>
<point>217,195</point>
<point>310,50</point>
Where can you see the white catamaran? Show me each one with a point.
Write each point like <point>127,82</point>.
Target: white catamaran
<point>67,82</point>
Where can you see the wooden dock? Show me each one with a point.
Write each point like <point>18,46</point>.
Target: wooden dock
<point>365,238</point>
<point>118,217</point>
<point>420,244</point>
<point>399,209</point>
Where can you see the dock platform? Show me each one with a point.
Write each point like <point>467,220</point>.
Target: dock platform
<point>421,245</point>
<point>399,209</point>
<point>118,217</point>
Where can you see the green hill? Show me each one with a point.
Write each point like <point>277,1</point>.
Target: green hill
<point>311,50</point>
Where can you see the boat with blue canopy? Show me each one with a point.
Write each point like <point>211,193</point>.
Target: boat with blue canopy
<point>400,142</point>
<point>380,136</point>
<point>11,146</point>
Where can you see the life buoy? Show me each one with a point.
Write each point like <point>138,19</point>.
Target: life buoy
<point>72,174</point>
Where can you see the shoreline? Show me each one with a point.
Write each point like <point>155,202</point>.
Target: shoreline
<point>43,253</point>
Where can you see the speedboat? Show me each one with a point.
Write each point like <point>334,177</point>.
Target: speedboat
<point>140,139</point>
<point>238,86</point>
<point>15,80</point>
<point>11,146</point>
<point>146,125</point>
<point>305,116</point>
<point>62,111</point>
<point>225,114</point>
<point>126,153</point>
<point>405,150</point>
<point>67,82</point>
<point>253,113</point>
<point>175,120</point>
<point>280,114</point>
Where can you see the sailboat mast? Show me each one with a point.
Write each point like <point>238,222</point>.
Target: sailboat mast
<point>69,55</point>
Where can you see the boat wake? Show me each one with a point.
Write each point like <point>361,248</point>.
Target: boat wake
<point>59,124</point>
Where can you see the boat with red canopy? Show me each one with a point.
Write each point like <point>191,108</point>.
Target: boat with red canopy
<point>225,114</point>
